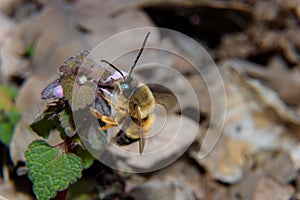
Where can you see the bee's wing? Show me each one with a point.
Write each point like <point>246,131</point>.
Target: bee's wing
<point>140,130</point>
<point>163,96</point>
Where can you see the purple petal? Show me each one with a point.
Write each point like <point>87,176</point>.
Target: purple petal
<point>116,76</point>
<point>58,92</point>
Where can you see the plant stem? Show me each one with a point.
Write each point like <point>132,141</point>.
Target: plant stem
<point>61,195</point>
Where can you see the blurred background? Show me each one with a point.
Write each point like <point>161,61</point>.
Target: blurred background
<point>256,45</point>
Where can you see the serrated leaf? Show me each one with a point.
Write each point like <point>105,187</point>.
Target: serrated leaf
<point>47,121</point>
<point>76,61</point>
<point>51,169</point>
<point>67,122</point>
<point>83,96</point>
<point>79,95</point>
<point>67,83</point>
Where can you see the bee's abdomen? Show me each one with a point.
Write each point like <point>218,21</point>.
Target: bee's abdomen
<point>143,98</point>
<point>123,139</point>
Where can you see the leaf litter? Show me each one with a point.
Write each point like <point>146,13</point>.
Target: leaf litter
<point>257,156</point>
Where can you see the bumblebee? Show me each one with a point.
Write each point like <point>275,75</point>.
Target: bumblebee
<point>132,103</point>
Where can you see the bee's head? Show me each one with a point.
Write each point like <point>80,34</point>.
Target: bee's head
<point>127,87</point>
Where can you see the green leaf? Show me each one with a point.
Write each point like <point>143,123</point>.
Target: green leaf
<point>82,190</point>
<point>51,169</point>
<point>85,155</point>
<point>6,98</point>
<point>6,132</point>
<point>13,91</point>
<point>8,121</point>
<point>9,90</point>
<point>47,121</point>
<point>14,116</point>
<point>67,122</point>
<point>9,114</point>
<point>29,51</point>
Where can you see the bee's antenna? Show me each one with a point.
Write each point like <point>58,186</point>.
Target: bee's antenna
<point>139,54</point>
<point>115,68</point>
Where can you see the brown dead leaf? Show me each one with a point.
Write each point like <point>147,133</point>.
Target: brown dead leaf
<point>188,173</point>
<point>286,82</point>
<point>236,45</point>
<point>9,53</point>
<point>268,188</point>
<point>266,97</point>
<point>227,160</point>
<point>181,180</point>
<point>169,188</point>
<point>254,113</point>
<point>264,34</point>
<point>8,191</point>
<point>263,169</point>
<point>62,30</point>
<point>276,165</point>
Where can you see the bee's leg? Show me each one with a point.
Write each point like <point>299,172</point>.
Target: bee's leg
<point>104,97</point>
<point>104,128</point>
<point>103,118</point>
<point>109,100</point>
<point>111,103</point>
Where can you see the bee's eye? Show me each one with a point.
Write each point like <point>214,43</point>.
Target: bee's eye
<point>125,86</point>
<point>126,90</point>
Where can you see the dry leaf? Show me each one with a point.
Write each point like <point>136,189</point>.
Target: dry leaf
<point>267,188</point>
<point>254,113</point>
<point>227,159</point>
<point>8,191</point>
<point>10,62</point>
<point>169,189</point>
<point>181,180</point>
<point>285,81</point>
<point>60,31</point>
